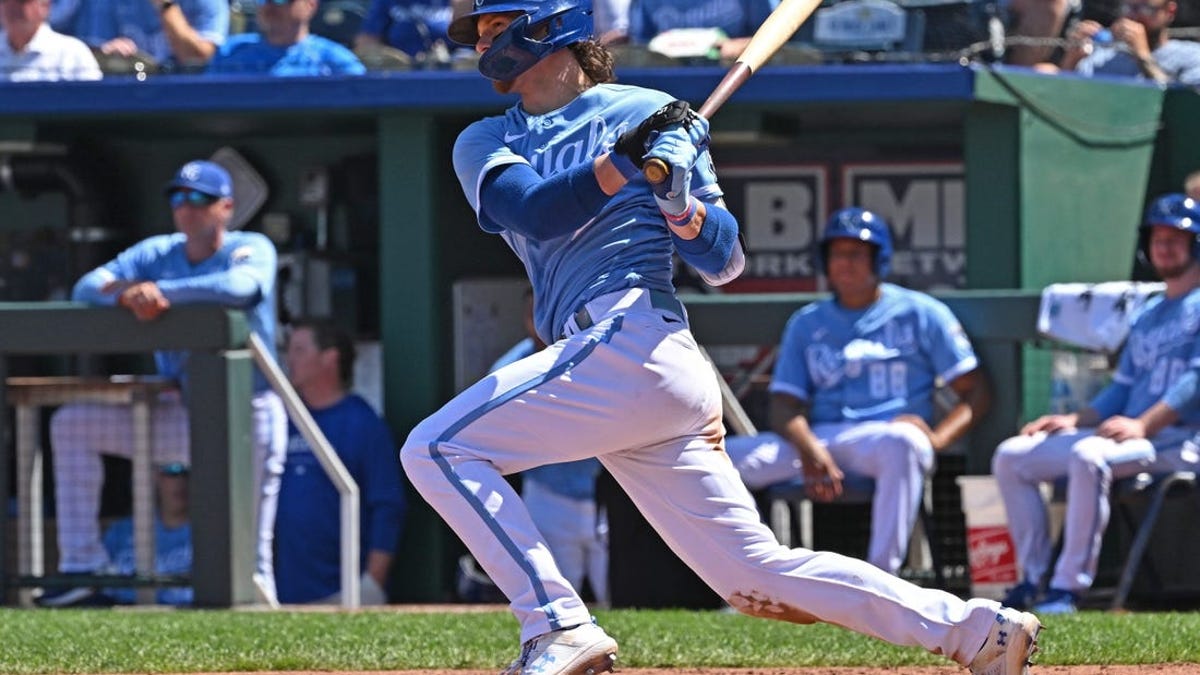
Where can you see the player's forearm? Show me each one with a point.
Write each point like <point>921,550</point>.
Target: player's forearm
<point>92,288</point>
<point>233,288</point>
<point>187,45</point>
<point>1158,417</point>
<point>707,240</point>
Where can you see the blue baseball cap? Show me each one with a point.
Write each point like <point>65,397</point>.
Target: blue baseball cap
<point>203,176</point>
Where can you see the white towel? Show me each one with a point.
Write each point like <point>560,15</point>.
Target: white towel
<point>1093,316</point>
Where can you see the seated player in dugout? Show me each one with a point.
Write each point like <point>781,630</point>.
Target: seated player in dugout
<point>854,384</point>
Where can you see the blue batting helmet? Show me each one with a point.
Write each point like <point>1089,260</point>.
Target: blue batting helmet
<point>541,29</point>
<point>1174,210</point>
<point>862,225</point>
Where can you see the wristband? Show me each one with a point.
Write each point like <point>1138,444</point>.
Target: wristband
<point>682,219</point>
<point>624,165</point>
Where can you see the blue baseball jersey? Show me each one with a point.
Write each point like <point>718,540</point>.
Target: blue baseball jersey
<point>98,21</point>
<point>412,26</point>
<point>1163,343</point>
<point>1179,59</point>
<point>626,245</point>
<point>874,363</point>
<point>737,18</point>
<point>307,527</point>
<point>313,56</point>
<point>241,274</point>
<point>172,555</point>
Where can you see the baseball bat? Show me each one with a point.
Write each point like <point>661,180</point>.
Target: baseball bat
<point>779,26</point>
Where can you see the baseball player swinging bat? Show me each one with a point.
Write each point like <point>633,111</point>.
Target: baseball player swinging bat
<point>781,25</point>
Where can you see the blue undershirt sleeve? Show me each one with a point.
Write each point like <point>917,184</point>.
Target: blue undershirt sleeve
<point>1181,396</point>
<point>1111,400</point>
<point>710,251</point>
<point>517,198</point>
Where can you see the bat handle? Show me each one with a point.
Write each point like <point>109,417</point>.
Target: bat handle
<point>655,170</point>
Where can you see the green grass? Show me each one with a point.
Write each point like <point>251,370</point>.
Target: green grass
<point>150,641</point>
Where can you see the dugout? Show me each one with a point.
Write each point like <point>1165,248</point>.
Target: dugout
<point>996,172</point>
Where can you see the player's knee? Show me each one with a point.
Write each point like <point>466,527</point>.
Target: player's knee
<point>907,445</point>
<point>1009,454</point>
<point>65,422</point>
<point>1088,458</point>
<point>416,451</point>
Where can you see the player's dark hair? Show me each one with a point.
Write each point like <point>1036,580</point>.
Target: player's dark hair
<point>595,60</point>
<point>328,335</point>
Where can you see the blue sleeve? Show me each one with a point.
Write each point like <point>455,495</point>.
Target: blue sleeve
<point>1111,400</point>
<point>344,62</point>
<point>710,251</point>
<point>132,264</point>
<point>250,276</point>
<point>382,493</point>
<point>950,350</point>
<point>1181,396</point>
<point>376,20</point>
<point>638,28</point>
<point>209,18</point>
<point>517,198</point>
<point>791,370</point>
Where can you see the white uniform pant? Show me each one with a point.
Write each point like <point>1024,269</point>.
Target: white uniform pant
<point>635,391</point>
<point>81,432</point>
<point>576,532</point>
<point>897,455</point>
<point>1090,464</point>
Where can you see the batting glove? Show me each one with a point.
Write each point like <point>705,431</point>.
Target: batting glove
<point>679,148</point>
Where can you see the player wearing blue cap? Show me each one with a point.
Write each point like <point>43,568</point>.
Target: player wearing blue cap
<point>201,263</point>
<point>854,386</point>
<point>622,379</point>
<point>1144,420</point>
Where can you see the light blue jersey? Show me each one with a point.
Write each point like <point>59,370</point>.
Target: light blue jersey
<point>172,556</point>
<point>1162,345</point>
<point>98,21</point>
<point>627,245</point>
<point>313,56</point>
<point>737,18</point>
<point>874,363</point>
<point>1179,59</point>
<point>239,275</point>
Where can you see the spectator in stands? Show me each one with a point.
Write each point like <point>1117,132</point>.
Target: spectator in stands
<point>172,541</point>
<point>201,263</point>
<point>1191,185</point>
<point>561,498</point>
<point>854,387</point>
<point>31,50</point>
<point>415,27</point>
<point>737,19</point>
<point>175,33</point>
<point>1036,19</point>
<point>1135,45</point>
<point>612,21</point>
<point>1139,422</point>
<point>284,46</point>
<point>320,362</point>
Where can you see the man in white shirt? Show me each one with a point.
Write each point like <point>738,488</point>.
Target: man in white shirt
<point>30,50</point>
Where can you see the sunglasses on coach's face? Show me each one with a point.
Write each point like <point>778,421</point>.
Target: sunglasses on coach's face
<point>196,198</point>
<point>1142,8</point>
<point>277,3</point>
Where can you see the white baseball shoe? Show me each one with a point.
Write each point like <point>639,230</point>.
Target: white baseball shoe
<point>1010,643</point>
<point>583,650</point>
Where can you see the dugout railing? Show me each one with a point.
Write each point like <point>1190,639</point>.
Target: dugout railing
<point>220,386</point>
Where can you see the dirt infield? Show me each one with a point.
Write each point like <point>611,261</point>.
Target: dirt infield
<point>1146,669</point>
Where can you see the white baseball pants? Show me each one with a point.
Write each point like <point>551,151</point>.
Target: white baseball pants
<point>81,432</point>
<point>635,391</point>
<point>897,455</point>
<point>1090,464</point>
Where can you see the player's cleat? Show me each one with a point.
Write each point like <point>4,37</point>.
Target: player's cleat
<point>1022,596</point>
<point>1057,601</point>
<point>1009,645</point>
<point>583,650</point>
